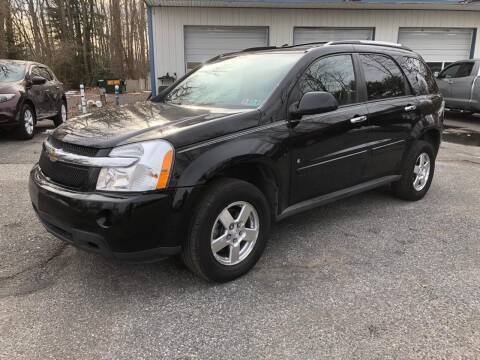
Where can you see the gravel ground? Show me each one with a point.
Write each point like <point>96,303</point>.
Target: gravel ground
<point>368,277</point>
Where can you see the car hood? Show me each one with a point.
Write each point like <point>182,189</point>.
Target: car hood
<point>149,120</point>
<point>9,87</point>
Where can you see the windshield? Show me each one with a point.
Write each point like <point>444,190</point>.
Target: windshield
<point>241,82</point>
<point>11,72</point>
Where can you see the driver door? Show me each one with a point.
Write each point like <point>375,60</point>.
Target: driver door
<point>461,85</point>
<point>329,151</point>
<point>40,94</point>
<point>445,81</point>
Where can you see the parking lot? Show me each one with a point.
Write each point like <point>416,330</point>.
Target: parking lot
<point>368,277</point>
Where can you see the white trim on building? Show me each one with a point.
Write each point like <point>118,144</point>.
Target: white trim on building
<point>169,24</point>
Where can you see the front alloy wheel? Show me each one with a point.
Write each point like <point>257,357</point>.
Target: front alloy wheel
<point>26,126</point>
<point>28,121</point>
<point>228,230</point>
<point>235,233</point>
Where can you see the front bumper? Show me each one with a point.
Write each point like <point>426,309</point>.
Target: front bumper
<point>131,227</point>
<point>8,115</point>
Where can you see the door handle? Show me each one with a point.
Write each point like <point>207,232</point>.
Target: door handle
<point>410,108</point>
<point>358,119</point>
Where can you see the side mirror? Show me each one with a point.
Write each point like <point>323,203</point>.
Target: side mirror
<point>38,80</point>
<point>315,102</point>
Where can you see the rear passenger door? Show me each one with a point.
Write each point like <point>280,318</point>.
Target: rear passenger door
<point>392,111</point>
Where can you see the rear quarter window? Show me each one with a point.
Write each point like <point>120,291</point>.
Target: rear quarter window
<point>419,75</point>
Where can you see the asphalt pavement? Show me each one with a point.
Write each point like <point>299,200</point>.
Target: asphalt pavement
<point>370,277</point>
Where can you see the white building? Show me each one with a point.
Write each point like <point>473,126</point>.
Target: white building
<point>184,33</point>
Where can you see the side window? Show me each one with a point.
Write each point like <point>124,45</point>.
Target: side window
<point>40,71</point>
<point>383,77</point>
<point>36,71</point>
<point>419,75</point>
<point>45,73</point>
<point>450,72</point>
<point>334,74</point>
<point>465,70</point>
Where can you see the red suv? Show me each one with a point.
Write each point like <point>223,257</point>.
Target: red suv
<point>29,92</point>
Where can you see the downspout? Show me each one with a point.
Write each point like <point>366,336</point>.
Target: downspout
<point>151,51</point>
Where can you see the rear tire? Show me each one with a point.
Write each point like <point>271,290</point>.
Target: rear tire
<point>61,116</point>
<point>222,253</point>
<point>26,128</point>
<point>417,174</point>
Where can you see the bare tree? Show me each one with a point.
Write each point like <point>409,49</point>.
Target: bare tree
<point>82,40</point>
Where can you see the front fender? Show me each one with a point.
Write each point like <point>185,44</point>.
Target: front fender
<point>205,165</point>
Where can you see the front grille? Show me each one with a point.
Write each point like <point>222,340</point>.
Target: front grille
<point>74,176</point>
<point>73,148</point>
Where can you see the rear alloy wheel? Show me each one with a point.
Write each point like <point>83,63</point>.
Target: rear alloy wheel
<point>417,174</point>
<point>26,128</point>
<point>421,171</point>
<point>61,117</point>
<point>228,231</point>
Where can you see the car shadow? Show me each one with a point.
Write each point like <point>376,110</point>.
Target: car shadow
<point>471,118</point>
<point>171,273</point>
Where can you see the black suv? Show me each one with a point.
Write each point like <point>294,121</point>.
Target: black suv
<point>249,138</point>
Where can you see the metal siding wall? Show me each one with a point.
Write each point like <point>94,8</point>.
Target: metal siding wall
<point>169,23</point>
<point>302,35</point>
<point>437,44</point>
<point>204,42</point>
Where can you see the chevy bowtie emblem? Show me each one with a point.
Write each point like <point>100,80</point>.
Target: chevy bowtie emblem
<point>52,155</point>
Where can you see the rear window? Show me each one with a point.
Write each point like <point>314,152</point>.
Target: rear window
<point>419,75</point>
<point>383,77</point>
<point>11,72</point>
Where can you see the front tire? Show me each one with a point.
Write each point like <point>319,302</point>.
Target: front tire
<point>417,174</point>
<point>228,231</point>
<point>26,128</point>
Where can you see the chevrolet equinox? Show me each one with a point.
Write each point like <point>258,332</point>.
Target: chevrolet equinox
<point>249,138</point>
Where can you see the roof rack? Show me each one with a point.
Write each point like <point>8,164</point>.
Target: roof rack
<point>259,48</point>
<point>368,42</point>
<point>305,44</point>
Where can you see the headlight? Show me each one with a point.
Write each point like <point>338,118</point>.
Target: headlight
<point>150,172</point>
<point>6,97</point>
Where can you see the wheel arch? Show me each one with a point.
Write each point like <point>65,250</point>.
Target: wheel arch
<point>433,136</point>
<point>30,103</point>
<point>258,173</point>
<point>238,161</point>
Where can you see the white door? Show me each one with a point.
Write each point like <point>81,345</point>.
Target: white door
<point>303,35</point>
<point>205,42</point>
<point>438,46</point>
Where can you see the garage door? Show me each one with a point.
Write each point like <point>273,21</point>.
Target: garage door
<point>302,35</point>
<point>438,46</point>
<point>204,42</point>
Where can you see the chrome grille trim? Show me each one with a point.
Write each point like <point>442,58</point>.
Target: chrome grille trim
<point>58,154</point>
